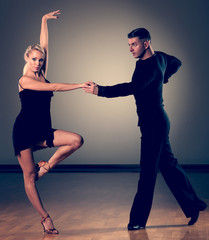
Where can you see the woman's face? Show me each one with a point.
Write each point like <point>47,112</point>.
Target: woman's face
<point>35,60</point>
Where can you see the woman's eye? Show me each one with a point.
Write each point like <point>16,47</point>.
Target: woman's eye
<point>33,59</point>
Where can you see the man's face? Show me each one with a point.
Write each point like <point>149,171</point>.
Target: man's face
<point>137,47</point>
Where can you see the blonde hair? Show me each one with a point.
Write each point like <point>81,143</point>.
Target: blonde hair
<point>30,48</point>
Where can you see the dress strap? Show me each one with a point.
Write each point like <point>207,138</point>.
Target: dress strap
<point>20,85</point>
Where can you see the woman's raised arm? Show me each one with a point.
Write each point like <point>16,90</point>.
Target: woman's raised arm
<point>44,38</point>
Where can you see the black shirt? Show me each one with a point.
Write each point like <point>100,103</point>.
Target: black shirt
<point>147,82</point>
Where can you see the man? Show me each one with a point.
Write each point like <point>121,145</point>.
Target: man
<point>153,69</point>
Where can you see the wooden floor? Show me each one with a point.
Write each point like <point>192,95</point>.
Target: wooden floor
<point>95,206</point>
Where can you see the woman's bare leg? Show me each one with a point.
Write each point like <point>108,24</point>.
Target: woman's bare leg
<point>67,142</point>
<point>27,164</point>
<point>26,161</point>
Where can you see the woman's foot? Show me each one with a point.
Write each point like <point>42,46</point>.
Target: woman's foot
<point>42,168</point>
<point>48,225</point>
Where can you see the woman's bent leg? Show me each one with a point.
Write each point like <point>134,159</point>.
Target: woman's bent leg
<point>67,142</point>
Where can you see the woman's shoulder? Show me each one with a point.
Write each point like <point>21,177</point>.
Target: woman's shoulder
<point>25,78</point>
<point>21,81</point>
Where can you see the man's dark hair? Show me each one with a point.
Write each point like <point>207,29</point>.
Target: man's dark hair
<point>141,33</point>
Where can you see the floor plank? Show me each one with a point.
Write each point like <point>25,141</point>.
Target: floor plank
<point>95,206</point>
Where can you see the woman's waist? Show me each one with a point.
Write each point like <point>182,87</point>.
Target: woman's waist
<point>33,116</point>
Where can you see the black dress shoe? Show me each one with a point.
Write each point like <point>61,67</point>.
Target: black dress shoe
<point>132,227</point>
<point>202,205</point>
<point>194,218</point>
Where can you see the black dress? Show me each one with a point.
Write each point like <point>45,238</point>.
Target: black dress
<point>33,124</point>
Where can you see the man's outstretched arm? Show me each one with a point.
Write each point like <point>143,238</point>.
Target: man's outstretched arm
<point>119,90</point>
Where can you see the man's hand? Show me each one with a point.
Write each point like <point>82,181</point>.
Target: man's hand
<point>91,87</point>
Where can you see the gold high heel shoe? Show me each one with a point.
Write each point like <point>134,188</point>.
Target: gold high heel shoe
<point>50,230</point>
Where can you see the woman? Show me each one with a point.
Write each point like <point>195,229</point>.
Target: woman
<point>32,129</point>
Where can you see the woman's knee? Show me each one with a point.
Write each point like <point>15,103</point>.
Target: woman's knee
<point>78,141</point>
<point>29,177</point>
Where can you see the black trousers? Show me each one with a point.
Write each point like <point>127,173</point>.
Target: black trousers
<point>156,154</point>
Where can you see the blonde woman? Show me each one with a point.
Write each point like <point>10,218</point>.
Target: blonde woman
<point>32,129</point>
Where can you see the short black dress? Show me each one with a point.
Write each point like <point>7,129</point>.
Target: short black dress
<point>33,124</point>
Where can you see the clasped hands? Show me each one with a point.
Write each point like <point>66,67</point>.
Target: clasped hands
<point>90,87</point>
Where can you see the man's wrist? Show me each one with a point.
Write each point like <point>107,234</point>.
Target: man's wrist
<point>100,90</point>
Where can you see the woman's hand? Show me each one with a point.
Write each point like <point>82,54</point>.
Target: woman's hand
<point>51,15</point>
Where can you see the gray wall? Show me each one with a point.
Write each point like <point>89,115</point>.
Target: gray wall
<point>89,42</point>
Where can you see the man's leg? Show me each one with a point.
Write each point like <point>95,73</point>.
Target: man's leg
<point>180,185</point>
<point>152,142</point>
